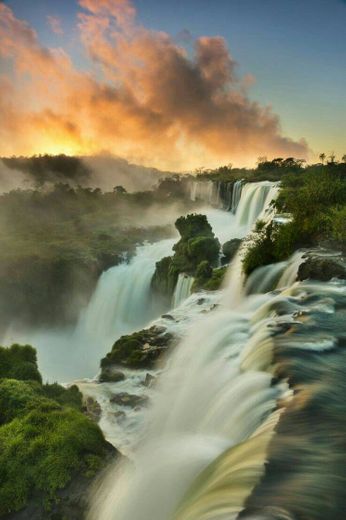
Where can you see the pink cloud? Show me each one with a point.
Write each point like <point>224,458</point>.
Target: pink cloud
<point>55,24</point>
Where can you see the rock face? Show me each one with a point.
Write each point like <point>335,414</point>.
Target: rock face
<point>138,350</point>
<point>322,268</point>
<point>92,408</point>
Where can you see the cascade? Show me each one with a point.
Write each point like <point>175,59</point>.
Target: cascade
<point>236,194</point>
<point>215,402</point>
<point>205,191</point>
<point>122,300</point>
<point>254,197</point>
<point>182,289</point>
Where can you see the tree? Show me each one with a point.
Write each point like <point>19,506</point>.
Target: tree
<point>332,158</point>
<point>343,158</point>
<point>119,189</point>
<point>322,157</point>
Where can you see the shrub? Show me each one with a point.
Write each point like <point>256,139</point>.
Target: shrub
<point>19,362</point>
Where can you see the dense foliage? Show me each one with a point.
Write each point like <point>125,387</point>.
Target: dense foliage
<point>54,244</point>
<point>315,199</point>
<point>45,440</point>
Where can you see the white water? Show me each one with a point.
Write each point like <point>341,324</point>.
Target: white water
<point>254,197</point>
<point>182,290</point>
<point>205,191</point>
<point>236,194</point>
<point>213,395</point>
<point>121,303</point>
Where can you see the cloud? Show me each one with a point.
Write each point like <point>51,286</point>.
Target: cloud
<point>147,99</point>
<point>55,24</point>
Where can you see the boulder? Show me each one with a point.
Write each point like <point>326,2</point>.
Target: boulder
<point>111,375</point>
<point>322,269</point>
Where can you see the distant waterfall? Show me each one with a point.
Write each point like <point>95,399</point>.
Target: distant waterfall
<point>205,191</point>
<point>236,194</point>
<point>182,289</point>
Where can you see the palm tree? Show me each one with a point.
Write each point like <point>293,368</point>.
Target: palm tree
<point>343,158</point>
<point>332,158</point>
<point>322,157</point>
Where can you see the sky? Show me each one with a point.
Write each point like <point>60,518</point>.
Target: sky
<point>176,85</point>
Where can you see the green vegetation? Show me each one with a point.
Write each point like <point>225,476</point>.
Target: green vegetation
<point>48,168</point>
<point>54,243</point>
<point>197,249</point>
<point>45,440</point>
<point>19,362</point>
<point>316,200</point>
<point>208,279</point>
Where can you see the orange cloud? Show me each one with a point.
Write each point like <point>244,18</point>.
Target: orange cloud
<point>147,100</point>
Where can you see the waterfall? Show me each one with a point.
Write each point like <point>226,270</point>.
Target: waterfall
<point>205,191</point>
<point>122,300</point>
<point>254,198</point>
<point>236,194</point>
<point>215,404</point>
<point>120,304</point>
<point>182,289</point>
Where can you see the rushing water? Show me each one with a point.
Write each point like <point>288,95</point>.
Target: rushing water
<point>215,402</point>
<point>216,409</point>
<point>182,290</point>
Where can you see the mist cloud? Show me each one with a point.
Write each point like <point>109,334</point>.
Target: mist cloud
<point>147,99</point>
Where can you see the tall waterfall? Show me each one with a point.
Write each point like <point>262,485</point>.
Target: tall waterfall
<point>254,197</point>
<point>215,404</point>
<point>122,300</point>
<point>236,194</point>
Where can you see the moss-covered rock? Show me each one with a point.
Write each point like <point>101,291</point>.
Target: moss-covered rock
<point>138,350</point>
<point>229,250</point>
<point>165,278</point>
<point>208,279</point>
<point>198,244</point>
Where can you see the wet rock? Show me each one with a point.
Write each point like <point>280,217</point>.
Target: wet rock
<point>149,380</point>
<point>167,317</point>
<point>322,269</point>
<point>200,301</point>
<point>92,408</point>
<point>111,375</point>
<point>130,400</point>
<point>119,415</point>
